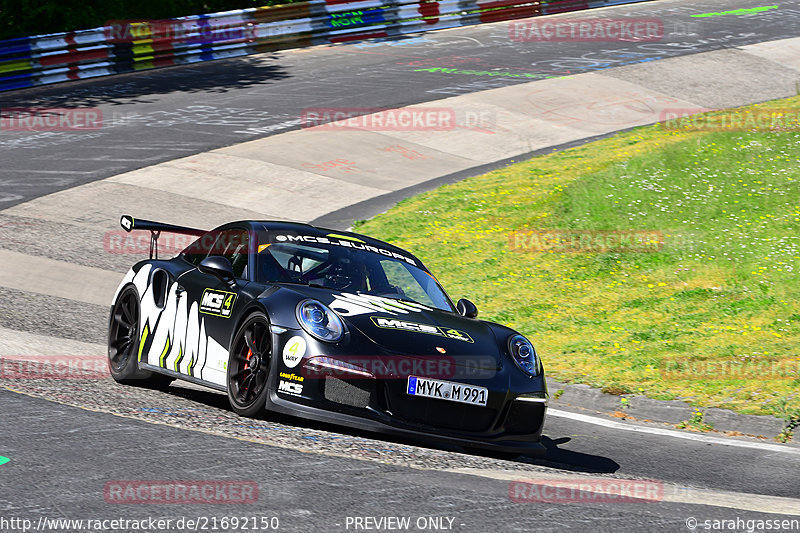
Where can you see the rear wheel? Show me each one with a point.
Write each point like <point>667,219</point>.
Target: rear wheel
<point>248,366</point>
<point>123,338</point>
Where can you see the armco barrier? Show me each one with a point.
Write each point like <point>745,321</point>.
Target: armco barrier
<point>126,46</point>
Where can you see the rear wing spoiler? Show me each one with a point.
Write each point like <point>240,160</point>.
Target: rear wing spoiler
<point>129,224</point>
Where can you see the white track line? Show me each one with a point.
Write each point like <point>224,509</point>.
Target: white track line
<point>597,421</point>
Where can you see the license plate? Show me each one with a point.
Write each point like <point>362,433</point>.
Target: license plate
<point>447,390</point>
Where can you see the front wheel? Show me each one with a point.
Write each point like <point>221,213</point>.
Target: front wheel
<point>248,365</point>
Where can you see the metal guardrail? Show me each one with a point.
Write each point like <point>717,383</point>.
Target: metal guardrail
<point>126,46</point>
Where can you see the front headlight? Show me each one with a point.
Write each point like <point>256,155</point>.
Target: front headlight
<point>317,319</point>
<point>524,355</point>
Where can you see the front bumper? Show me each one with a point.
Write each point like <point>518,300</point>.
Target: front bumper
<point>511,421</point>
<point>529,444</point>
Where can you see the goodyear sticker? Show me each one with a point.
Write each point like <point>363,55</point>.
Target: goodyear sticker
<point>218,303</point>
<point>293,351</point>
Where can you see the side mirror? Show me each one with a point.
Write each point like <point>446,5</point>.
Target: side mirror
<point>466,308</point>
<point>219,267</point>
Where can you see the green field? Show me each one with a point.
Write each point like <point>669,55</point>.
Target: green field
<point>707,311</point>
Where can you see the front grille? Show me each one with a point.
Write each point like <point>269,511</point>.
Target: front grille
<point>351,393</point>
<point>444,414</point>
<point>524,418</point>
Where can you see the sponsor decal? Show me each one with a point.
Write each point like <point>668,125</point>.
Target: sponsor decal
<point>355,18</point>
<point>349,304</point>
<point>292,377</point>
<point>295,389</point>
<point>218,303</point>
<point>344,243</point>
<point>293,351</point>
<point>392,323</point>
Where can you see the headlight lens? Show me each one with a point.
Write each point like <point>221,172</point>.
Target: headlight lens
<point>523,354</point>
<point>317,319</point>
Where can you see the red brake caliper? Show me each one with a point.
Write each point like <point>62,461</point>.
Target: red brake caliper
<point>249,355</point>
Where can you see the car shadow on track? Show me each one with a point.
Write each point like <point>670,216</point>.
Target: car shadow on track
<point>564,459</point>
<point>557,458</point>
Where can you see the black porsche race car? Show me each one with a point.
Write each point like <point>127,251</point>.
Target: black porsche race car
<point>329,325</point>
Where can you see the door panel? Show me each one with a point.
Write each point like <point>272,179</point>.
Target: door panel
<point>207,330</point>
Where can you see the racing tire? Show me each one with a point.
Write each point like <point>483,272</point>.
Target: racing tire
<point>249,363</point>
<point>123,339</point>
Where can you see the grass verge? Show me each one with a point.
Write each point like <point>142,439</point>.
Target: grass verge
<point>706,311</point>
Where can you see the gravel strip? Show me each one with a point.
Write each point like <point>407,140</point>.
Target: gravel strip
<point>208,411</point>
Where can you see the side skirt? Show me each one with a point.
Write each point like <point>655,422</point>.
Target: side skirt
<point>184,377</point>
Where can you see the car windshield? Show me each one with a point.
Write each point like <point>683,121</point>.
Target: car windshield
<point>350,268</point>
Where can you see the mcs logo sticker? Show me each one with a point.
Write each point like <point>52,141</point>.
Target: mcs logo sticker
<point>218,303</point>
<point>295,389</point>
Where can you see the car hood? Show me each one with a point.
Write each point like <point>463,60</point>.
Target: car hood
<point>404,327</point>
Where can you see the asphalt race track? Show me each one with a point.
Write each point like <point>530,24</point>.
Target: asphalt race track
<point>160,115</point>
<point>69,440</point>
